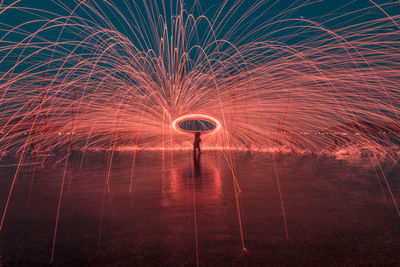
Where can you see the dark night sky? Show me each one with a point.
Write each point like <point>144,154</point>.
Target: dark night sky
<point>320,11</point>
<point>332,14</point>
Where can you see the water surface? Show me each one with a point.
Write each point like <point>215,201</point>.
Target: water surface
<point>177,211</point>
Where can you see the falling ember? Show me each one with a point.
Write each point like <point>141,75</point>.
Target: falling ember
<point>99,75</point>
<point>112,84</point>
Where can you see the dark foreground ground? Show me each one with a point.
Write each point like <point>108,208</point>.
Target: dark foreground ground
<point>338,212</point>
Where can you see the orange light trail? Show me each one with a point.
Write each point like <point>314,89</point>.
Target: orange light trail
<point>175,123</point>
<point>118,78</point>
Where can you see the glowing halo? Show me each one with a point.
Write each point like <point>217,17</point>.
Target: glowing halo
<point>177,128</point>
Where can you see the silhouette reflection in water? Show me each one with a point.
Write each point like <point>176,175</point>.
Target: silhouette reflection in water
<point>196,165</point>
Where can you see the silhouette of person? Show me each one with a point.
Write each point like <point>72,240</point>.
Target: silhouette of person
<point>335,143</point>
<point>196,143</point>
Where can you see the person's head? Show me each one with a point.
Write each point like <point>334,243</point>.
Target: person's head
<point>197,134</point>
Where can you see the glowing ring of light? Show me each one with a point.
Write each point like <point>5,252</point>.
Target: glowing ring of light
<point>175,123</point>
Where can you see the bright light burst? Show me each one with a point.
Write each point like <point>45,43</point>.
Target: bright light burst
<point>109,75</point>
<point>102,74</point>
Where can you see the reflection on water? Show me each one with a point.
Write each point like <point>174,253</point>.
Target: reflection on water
<point>202,175</point>
<point>182,209</point>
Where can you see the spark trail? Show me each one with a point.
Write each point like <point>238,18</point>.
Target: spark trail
<point>143,67</point>
<point>123,76</point>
